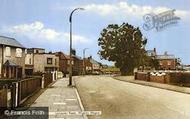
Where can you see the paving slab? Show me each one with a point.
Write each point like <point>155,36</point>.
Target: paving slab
<point>63,101</point>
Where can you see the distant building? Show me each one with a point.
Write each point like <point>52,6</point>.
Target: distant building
<point>151,53</point>
<point>64,63</point>
<point>38,61</point>
<point>167,62</point>
<point>12,58</point>
<point>78,65</point>
<point>92,66</point>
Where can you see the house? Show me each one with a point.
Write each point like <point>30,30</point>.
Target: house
<point>64,63</point>
<point>29,59</point>
<point>151,53</point>
<point>38,61</point>
<point>92,66</point>
<point>167,61</point>
<point>78,65</point>
<point>12,58</point>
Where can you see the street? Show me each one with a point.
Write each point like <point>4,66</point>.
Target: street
<point>123,100</point>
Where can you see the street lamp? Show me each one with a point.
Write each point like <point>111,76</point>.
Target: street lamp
<point>84,68</point>
<point>70,60</point>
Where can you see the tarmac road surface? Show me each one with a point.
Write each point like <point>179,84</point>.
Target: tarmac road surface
<point>123,100</point>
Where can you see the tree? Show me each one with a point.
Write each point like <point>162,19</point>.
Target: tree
<point>151,62</point>
<point>123,45</point>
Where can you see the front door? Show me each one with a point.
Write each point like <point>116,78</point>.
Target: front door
<point>19,73</point>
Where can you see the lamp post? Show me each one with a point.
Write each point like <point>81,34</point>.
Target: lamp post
<point>84,68</point>
<point>70,60</point>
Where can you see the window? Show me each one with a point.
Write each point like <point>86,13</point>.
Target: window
<point>49,60</point>
<point>169,62</point>
<point>25,51</point>
<point>30,62</point>
<point>68,62</point>
<point>55,61</point>
<point>37,51</point>
<point>18,52</point>
<point>7,51</point>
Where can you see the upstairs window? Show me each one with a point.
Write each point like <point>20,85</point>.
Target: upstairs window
<point>169,62</point>
<point>30,61</point>
<point>18,52</point>
<point>7,51</point>
<point>49,60</point>
<point>55,61</point>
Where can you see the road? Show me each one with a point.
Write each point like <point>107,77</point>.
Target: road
<point>123,100</point>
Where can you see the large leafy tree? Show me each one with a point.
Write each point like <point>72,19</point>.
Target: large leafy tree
<point>123,45</point>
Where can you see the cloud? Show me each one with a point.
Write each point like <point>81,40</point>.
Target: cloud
<point>123,8</point>
<point>37,31</point>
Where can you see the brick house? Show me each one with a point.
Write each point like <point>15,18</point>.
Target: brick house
<point>12,58</point>
<point>77,63</point>
<point>63,62</point>
<point>92,66</point>
<point>167,62</point>
<point>38,61</point>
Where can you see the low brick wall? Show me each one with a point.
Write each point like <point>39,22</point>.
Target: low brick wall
<point>180,77</point>
<point>158,79</point>
<point>142,76</point>
<point>164,77</point>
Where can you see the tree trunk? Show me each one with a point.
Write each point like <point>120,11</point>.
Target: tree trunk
<point>125,71</point>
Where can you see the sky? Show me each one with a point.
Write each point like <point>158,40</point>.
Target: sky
<point>45,24</point>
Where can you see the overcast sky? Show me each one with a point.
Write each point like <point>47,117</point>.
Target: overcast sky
<point>45,23</point>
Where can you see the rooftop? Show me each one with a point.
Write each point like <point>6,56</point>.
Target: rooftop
<point>10,42</point>
<point>165,57</point>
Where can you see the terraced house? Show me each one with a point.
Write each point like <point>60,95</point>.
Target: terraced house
<point>92,66</point>
<point>37,60</point>
<point>77,63</point>
<point>12,58</point>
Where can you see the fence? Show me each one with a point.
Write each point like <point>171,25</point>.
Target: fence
<point>3,97</point>
<point>48,78</point>
<point>15,92</point>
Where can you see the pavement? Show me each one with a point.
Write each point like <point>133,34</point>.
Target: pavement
<point>63,101</point>
<point>170,87</point>
<point>123,100</point>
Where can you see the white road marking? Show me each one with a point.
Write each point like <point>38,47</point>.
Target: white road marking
<point>59,103</point>
<point>71,99</point>
<point>56,95</point>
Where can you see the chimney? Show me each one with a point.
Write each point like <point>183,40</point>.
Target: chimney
<point>165,53</point>
<point>73,52</point>
<point>90,57</point>
<point>154,51</point>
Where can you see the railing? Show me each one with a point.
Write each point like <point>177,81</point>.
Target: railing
<point>48,78</point>
<point>28,86</point>
<point>3,97</point>
<point>15,92</point>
